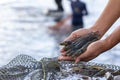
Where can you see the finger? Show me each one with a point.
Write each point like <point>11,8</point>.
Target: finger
<point>73,36</point>
<point>62,49</point>
<point>77,60</point>
<point>76,34</point>
<point>65,58</point>
<point>63,53</point>
<point>82,57</point>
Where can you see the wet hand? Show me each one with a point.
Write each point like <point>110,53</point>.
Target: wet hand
<point>93,50</point>
<point>73,36</point>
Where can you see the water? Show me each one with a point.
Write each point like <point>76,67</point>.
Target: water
<point>23,30</point>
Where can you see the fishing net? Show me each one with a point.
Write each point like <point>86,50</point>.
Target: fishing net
<point>24,67</point>
<point>18,68</point>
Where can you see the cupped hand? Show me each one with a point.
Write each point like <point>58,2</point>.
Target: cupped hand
<point>76,34</point>
<point>93,50</point>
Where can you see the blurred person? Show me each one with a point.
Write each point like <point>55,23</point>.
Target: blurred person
<point>61,29</point>
<point>58,13</point>
<point>78,11</point>
<point>108,17</point>
<point>59,5</point>
<point>64,27</point>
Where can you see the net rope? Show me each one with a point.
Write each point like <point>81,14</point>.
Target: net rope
<point>23,67</point>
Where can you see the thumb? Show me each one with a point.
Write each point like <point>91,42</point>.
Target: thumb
<point>77,59</point>
<point>72,36</point>
<point>81,58</point>
<point>77,33</point>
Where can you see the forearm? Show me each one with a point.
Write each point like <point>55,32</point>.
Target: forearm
<point>112,39</point>
<point>110,14</point>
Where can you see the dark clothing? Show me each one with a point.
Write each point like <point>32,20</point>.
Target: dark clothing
<point>78,10</point>
<point>76,27</point>
<point>59,5</point>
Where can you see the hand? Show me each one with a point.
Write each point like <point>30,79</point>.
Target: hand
<point>93,50</point>
<point>74,35</point>
<point>54,27</point>
<point>78,33</point>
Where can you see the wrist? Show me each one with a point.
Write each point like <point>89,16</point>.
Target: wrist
<point>95,29</point>
<point>105,45</point>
